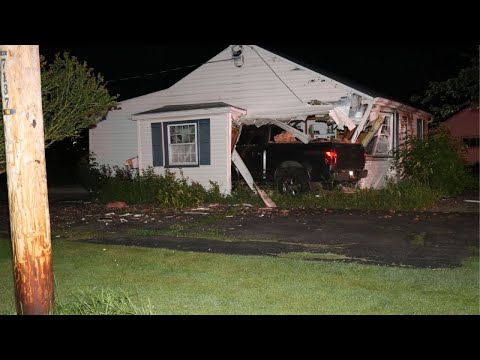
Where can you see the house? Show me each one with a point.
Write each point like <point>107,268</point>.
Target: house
<point>465,126</point>
<point>189,127</point>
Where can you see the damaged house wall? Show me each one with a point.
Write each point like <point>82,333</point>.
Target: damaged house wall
<point>268,87</point>
<point>390,124</point>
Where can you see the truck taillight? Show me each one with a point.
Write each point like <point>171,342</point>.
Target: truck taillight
<point>330,157</point>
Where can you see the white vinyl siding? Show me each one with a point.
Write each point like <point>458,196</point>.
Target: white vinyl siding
<point>219,169</point>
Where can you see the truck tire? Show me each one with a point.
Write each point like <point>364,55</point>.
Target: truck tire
<point>292,181</point>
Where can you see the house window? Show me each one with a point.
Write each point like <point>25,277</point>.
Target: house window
<point>182,144</point>
<point>471,142</point>
<point>381,144</point>
<point>420,129</point>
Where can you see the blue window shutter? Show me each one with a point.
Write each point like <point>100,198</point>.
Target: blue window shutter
<point>204,140</point>
<point>157,144</point>
<point>165,142</point>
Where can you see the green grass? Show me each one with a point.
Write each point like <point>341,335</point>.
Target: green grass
<point>171,282</point>
<point>314,256</point>
<point>101,302</point>
<point>419,239</point>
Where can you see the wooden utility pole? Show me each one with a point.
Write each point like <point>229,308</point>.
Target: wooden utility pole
<point>26,178</point>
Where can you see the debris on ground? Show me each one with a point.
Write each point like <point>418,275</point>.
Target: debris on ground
<point>116,205</point>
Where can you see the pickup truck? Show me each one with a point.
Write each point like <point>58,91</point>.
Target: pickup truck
<point>293,166</point>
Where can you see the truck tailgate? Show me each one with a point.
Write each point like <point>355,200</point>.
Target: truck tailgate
<point>349,156</point>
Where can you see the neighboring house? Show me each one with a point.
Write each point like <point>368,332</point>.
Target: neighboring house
<point>465,126</point>
<point>188,127</point>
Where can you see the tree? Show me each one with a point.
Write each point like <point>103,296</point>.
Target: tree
<point>73,97</point>
<point>445,98</point>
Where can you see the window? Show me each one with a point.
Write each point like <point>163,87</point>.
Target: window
<point>420,129</point>
<point>381,144</point>
<point>182,144</point>
<point>471,142</point>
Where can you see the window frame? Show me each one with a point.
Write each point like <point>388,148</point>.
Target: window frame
<point>421,127</point>
<point>169,146</point>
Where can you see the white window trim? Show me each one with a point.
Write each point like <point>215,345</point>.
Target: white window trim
<point>170,161</point>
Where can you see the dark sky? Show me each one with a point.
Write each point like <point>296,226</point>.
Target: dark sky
<point>396,71</point>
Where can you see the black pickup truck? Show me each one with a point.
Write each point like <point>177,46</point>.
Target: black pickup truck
<point>293,166</point>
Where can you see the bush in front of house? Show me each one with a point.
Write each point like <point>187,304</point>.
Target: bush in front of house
<point>146,187</point>
<point>437,162</point>
<point>91,175</point>
<point>110,184</point>
<point>404,196</point>
<point>180,193</point>
<point>177,193</point>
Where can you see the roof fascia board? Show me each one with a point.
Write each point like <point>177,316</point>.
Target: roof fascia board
<point>185,113</point>
<point>400,106</point>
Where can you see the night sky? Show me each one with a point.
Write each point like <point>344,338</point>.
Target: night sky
<point>396,71</point>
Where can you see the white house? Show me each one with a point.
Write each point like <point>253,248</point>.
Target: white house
<point>188,127</point>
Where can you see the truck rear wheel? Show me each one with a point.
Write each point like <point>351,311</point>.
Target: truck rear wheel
<point>292,181</point>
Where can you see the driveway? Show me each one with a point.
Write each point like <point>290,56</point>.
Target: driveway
<point>421,239</point>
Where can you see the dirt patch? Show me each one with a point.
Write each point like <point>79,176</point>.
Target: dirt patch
<point>407,239</point>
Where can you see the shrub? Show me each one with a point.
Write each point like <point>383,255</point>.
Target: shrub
<point>437,162</point>
<point>407,195</point>
<point>121,184</point>
<point>105,302</point>
<point>91,175</point>
<point>177,193</point>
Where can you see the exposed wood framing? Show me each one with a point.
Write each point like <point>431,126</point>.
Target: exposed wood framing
<point>363,122</point>
<point>242,168</point>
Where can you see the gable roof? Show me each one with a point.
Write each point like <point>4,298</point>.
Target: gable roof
<point>344,80</point>
<point>269,59</point>
<point>334,76</point>
<point>266,85</point>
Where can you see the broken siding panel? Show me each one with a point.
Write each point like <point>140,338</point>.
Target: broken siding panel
<point>379,171</point>
<point>219,151</point>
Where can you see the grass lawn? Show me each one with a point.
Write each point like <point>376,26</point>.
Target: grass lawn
<point>174,282</point>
